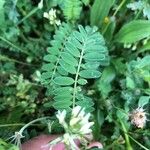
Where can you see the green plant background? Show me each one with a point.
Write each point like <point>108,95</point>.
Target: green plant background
<point>116,82</point>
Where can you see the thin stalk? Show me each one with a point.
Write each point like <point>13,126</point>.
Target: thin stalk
<point>114,14</point>
<point>76,77</point>
<point>5,58</point>
<point>13,45</point>
<point>28,15</point>
<point>137,142</point>
<point>16,124</point>
<point>138,14</point>
<point>30,123</point>
<point>129,147</point>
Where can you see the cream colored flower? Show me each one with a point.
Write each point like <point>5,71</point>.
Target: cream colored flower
<point>138,117</point>
<point>61,116</point>
<point>51,16</point>
<point>79,127</point>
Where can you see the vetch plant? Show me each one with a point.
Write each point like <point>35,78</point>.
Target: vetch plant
<point>77,57</point>
<point>78,128</point>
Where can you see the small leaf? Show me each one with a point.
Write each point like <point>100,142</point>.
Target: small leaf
<point>62,104</point>
<point>50,58</point>
<point>82,81</point>
<point>48,67</point>
<point>90,74</point>
<point>53,50</point>
<point>62,90</point>
<point>46,75</point>
<point>143,101</point>
<point>91,65</point>
<point>68,58</point>
<point>130,83</point>
<point>72,49</point>
<point>94,56</point>
<point>65,96</point>
<point>63,81</point>
<point>78,36</point>
<point>67,67</point>
<point>62,71</point>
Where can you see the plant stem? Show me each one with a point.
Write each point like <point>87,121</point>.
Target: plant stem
<point>129,147</point>
<point>29,14</point>
<point>138,142</point>
<point>28,124</point>
<point>137,15</point>
<point>13,45</point>
<point>5,58</point>
<point>15,124</point>
<point>76,78</point>
<point>114,14</point>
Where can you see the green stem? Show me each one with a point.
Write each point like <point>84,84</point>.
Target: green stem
<point>15,124</point>
<point>28,15</point>
<point>138,14</point>
<point>129,147</point>
<point>28,124</point>
<point>138,143</point>
<point>76,77</point>
<point>5,58</point>
<point>13,45</point>
<point>114,14</point>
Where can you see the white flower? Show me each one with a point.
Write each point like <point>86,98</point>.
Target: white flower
<point>40,5</point>
<point>79,126</point>
<point>73,121</point>
<point>51,16</point>
<point>61,116</point>
<point>85,119</point>
<point>69,140</point>
<point>58,23</point>
<point>75,111</point>
<point>138,117</point>
<point>86,128</point>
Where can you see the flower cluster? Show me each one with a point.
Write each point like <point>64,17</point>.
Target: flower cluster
<point>77,128</point>
<point>138,117</point>
<point>51,16</point>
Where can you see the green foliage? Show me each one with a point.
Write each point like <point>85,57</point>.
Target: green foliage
<point>72,9</point>
<point>83,52</point>
<point>99,11</point>
<point>134,31</point>
<point>76,69</point>
<point>2,19</point>
<point>143,6</point>
<point>4,146</point>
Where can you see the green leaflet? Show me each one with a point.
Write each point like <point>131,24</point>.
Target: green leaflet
<point>99,11</point>
<point>143,101</point>
<point>94,56</point>
<point>72,49</point>
<point>104,84</point>
<point>63,81</point>
<point>67,67</point>
<point>68,58</point>
<point>88,74</point>
<point>82,81</point>
<point>62,90</point>
<point>60,105</point>
<point>134,31</point>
